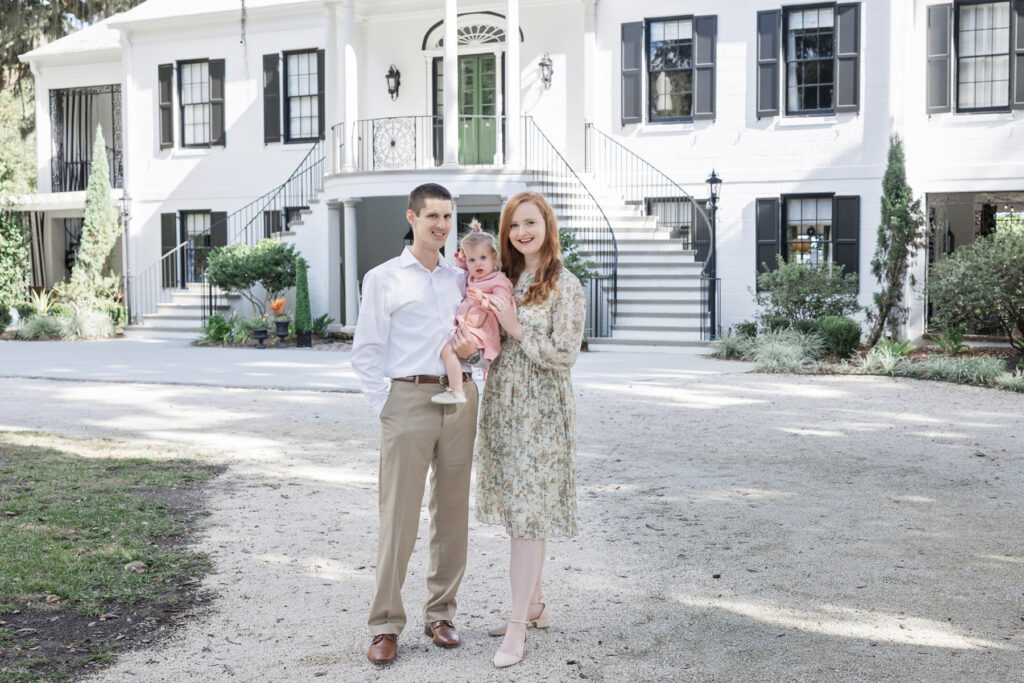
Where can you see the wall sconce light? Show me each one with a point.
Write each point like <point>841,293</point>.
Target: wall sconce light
<point>394,79</point>
<point>546,69</point>
<point>126,206</point>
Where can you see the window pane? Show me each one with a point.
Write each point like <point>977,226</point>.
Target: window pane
<point>671,30</point>
<point>967,20</point>
<point>657,31</point>
<point>826,17</point>
<point>825,209</point>
<point>795,20</point>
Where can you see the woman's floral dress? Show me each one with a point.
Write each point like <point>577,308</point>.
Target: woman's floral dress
<point>526,447</point>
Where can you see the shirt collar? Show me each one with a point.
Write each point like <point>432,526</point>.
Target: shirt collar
<point>407,259</point>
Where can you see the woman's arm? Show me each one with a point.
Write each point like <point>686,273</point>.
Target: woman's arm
<point>559,349</point>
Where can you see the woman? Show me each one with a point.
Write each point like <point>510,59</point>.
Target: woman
<point>526,451</point>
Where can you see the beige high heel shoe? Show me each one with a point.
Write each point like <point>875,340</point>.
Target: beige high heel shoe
<point>504,659</point>
<point>543,620</point>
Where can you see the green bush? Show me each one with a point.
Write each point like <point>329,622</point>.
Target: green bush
<point>62,309</point>
<point>775,323</point>
<point>1013,381</point>
<point>303,316</point>
<point>5,317</point>
<point>571,258</point>
<point>40,327</point>
<point>320,325</point>
<point>806,325</point>
<point>841,335</point>
<point>241,330</point>
<point>732,346</point>
<point>88,323</point>
<point>240,268</point>
<point>786,350</point>
<point>746,328</point>
<point>980,285</point>
<point>886,356</point>
<point>216,330</point>
<point>950,339</point>
<point>798,291</point>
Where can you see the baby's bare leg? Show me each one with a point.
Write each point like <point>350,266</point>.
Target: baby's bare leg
<point>452,366</point>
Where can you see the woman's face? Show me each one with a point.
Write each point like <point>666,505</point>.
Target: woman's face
<point>480,260</point>
<point>527,230</point>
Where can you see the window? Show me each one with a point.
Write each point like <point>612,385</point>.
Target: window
<point>983,56</point>
<point>670,69</point>
<point>197,234</point>
<point>302,104</point>
<point>808,233</point>
<point>810,60</point>
<point>194,89</point>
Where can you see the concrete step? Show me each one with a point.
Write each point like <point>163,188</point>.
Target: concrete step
<point>653,246</point>
<point>654,335</point>
<point>631,291</point>
<point>622,341</point>
<point>658,260</point>
<point>654,307</point>
<point>147,332</point>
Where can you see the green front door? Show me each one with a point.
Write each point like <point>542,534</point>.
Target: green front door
<point>477,107</point>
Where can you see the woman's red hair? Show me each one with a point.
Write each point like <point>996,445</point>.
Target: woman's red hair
<point>513,262</point>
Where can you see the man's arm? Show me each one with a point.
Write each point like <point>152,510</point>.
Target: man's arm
<point>369,345</point>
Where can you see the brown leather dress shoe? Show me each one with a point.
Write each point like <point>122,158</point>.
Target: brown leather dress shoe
<point>384,648</point>
<point>443,633</point>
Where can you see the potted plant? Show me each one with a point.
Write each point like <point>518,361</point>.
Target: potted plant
<point>303,316</point>
<point>280,320</point>
<point>259,330</point>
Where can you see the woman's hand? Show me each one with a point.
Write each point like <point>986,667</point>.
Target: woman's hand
<point>505,311</point>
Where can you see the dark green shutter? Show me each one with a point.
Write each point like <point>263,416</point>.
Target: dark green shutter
<point>769,24</point>
<point>1017,65</point>
<point>217,102</point>
<point>704,48</point>
<point>165,75</point>
<point>767,230</point>
<point>632,72</point>
<point>271,98</point>
<point>168,241</point>
<point>218,229</point>
<point>321,101</point>
<point>847,43</point>
<point>846,233</point>
<point>939,59</point>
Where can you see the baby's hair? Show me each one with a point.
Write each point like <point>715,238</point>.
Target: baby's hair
<point>479,237</point>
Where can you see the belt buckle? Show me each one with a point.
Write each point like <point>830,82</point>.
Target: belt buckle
<point>443,380</point>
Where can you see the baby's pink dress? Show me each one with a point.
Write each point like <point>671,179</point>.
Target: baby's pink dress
<point>478,322</point>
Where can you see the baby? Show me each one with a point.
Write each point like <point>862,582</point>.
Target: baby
<point>480,257</point>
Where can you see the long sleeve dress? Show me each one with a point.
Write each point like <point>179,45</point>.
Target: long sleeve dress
<point>526,440</point>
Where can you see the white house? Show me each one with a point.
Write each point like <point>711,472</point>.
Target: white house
<point>310,121</point>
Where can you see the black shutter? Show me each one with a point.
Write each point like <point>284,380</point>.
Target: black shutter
<point>321,102</point>
<point>769,26</point>
<point>848,57</point>
<point>937,78</point>
<point>271,98</point>
<point>632,72</point>
<point>218,229</point>
<point>846,233</point>
<point>1017,66</point>
<point>767,229</point>
<point>165,74</point>
<point>168,241</point>
<point>217,102</point>
<point>704,32</point>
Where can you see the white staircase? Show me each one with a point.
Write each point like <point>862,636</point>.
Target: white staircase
<point>183,314</point>
<point>658,300</point>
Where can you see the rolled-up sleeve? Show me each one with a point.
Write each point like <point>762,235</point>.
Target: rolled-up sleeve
<point>558,349</point>
<point>369,346</point>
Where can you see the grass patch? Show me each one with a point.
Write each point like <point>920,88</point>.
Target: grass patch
<point>68,527</point>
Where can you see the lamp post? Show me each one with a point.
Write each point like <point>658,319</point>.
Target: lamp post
<point>126,214</point>
<point>714,191</point>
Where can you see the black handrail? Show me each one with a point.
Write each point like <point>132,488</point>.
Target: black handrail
<point>653,193</point>
<point>578,211</point>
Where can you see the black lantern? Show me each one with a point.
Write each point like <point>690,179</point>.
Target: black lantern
<point>126,206</point>
<point>546,69</point>
<point>394,79</point>
<point>714,187</point>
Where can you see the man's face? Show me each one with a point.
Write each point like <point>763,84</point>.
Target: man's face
<point>431,227</point>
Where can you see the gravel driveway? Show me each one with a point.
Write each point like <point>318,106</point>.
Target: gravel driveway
<point>733,527</point>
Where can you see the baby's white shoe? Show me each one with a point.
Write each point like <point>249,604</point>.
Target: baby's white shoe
<point>448,397</point>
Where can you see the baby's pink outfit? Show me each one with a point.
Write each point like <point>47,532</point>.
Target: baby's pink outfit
<point>476,320</point>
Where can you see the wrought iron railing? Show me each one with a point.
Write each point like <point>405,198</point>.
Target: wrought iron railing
<point>652,193</point>
<point>417,142</point>
<point>578,211</point>
<point>262,217</point>
<point>73,176</point>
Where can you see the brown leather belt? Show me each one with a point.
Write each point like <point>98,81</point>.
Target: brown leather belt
<point>430,379</point>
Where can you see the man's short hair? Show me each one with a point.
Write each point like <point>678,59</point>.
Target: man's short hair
<point>419,196</point>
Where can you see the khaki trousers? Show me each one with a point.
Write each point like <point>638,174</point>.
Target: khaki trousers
<point>418,436</point>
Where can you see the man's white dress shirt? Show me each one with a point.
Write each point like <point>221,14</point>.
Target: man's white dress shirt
<point>406,316</point>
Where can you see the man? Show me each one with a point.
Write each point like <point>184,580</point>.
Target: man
<point>407,314</point>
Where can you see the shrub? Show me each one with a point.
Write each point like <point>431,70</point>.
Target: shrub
<point>747,328</point>
<point>61,309</point>
<point>39,303</point>
<point>320,325</point>
<point>14,252</point>
<point>1013,381</point>
<point>841,335</point>
<point>980,370</point>
<point>303,316</point>
<point>980,285</point>
<point>806,325</point>
<point>240,268</point>
<point>886,356</point>
<point>40,327</point>
<point>732,346</point>
<point>797,290</point>
<point>241,330</point>
<point>216,330</point>
<point>5,317</point>
<point>87,323</point>
<point>950,339</point>
<point>91,278</point>
<point>571,258</point>
<point>775,323</point>
<point>785,350</point>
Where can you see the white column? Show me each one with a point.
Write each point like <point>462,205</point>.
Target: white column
<point>589,57</point>
<point>351,265</point>
<point>451,84</point>
<point>512,86</point>
<point>349,65</point>
<point>331,88</point>
<point>451,245</point>
<point>335,261</point>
